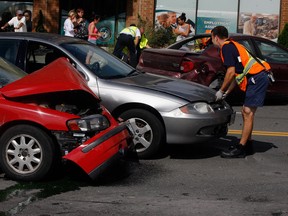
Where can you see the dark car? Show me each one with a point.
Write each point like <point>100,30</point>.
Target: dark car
<point>196,59</point>
<point>161,110</point>
<point>51,115</point>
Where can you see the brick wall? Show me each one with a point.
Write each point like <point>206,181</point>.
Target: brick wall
<point>283,14</point>
<point>51,13</point>
<point>143,8</point>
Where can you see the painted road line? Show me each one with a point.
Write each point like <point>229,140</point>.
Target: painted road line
<point>261,133</point>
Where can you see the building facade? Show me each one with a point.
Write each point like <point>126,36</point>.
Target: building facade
<point>116,13</point>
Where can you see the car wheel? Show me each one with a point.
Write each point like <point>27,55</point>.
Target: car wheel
<point>149,131</point>
<point>27,153</point>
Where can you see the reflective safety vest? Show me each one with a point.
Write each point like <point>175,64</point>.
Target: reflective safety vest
<point>250,64</point>
<point>143,42</point>
<point>131,30</point>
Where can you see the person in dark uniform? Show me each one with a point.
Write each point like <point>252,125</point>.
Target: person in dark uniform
<point>129,37</point>
<point>251,76</point>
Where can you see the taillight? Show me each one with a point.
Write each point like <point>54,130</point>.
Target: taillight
<point>186,66</point>
<point>141,62</point>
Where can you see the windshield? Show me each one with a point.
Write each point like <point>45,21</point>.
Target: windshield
<point>9,73</point>
<point>97,60</point>
<point>194,44</point>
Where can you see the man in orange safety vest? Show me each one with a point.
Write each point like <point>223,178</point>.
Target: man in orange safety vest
<point>250,74</point>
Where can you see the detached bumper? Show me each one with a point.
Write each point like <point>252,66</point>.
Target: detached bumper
<point>100,151</point>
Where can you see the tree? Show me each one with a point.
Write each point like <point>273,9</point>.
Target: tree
<point>283,36</point>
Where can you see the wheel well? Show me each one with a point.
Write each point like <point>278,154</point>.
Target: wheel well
<point>14,123</point>
<point>116,113</point>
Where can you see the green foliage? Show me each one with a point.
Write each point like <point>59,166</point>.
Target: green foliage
<point>283,36</point>
<point>160,37</point>
<point>157,38</point>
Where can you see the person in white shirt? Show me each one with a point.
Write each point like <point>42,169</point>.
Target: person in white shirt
<point>19,22</point>
<point>69,24</point>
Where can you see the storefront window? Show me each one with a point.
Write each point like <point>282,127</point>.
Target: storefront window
<point>259,17</point>
<point>167,11</point>
<point>113,16</point>
<point>220,12</point>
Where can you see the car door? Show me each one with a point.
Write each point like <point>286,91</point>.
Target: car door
<point>40,54</point>
<point>14,51</point>
<point>277,57</point>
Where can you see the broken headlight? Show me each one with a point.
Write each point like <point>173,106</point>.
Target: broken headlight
<point>89,123</point>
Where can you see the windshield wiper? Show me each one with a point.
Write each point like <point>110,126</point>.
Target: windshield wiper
<point>114,77</point>
<point>132,73</point>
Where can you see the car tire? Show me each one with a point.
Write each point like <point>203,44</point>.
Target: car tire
<point>27,153</point>
<point>148,129</point>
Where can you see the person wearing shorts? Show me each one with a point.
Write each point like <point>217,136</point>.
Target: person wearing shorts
<point>250,75</point>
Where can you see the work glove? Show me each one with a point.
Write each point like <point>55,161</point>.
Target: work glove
<point>219,95</point>
<point>224,95</point>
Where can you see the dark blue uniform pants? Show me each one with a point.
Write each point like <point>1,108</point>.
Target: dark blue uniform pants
<point>123,41</point>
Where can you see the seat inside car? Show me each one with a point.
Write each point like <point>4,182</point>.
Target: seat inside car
<point>50,56</point>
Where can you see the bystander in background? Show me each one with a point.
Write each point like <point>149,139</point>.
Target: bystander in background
<point>81,25</point>
<point>18,22</point>
<point>28,17</point>
<point>68,24</point>
<point>93,33</point>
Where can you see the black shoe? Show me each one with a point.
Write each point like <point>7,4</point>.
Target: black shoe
<point>249,147</point>
<point>237,151</point>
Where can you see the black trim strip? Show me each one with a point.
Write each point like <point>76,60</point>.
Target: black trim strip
<point>105,137</point>
<point>100,169</point>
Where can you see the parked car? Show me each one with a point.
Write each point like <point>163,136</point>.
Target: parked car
<point>196,59</point>
<point>161,110</point>
<point>53,114</point>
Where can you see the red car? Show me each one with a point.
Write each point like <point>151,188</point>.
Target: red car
<point>196,59</point>
<point>53,114</point>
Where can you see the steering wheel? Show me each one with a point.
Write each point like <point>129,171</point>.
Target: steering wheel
<point>95,68</point>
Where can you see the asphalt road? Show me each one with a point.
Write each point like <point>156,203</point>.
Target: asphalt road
<point>186,180</point>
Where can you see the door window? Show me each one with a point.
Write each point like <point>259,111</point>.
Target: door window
<point>9,50</point>
<point>272,53</point>
<point>39,55</point>
<point>246,44</point>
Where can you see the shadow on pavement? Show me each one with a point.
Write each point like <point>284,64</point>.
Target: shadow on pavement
<point>237,100</point>
<point>212,148</point>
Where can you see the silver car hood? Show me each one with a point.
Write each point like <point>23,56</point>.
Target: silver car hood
<point>186,90</point>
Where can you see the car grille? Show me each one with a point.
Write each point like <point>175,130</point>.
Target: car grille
<point>219,105</point>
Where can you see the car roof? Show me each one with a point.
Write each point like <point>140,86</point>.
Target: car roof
<point>47,37</point>
<point>236,36</point>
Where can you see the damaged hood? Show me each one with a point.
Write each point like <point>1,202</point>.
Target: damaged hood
<point>187,90</point>
<point>58,76</point>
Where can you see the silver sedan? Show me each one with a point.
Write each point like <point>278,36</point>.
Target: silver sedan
<point>161,110</point>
